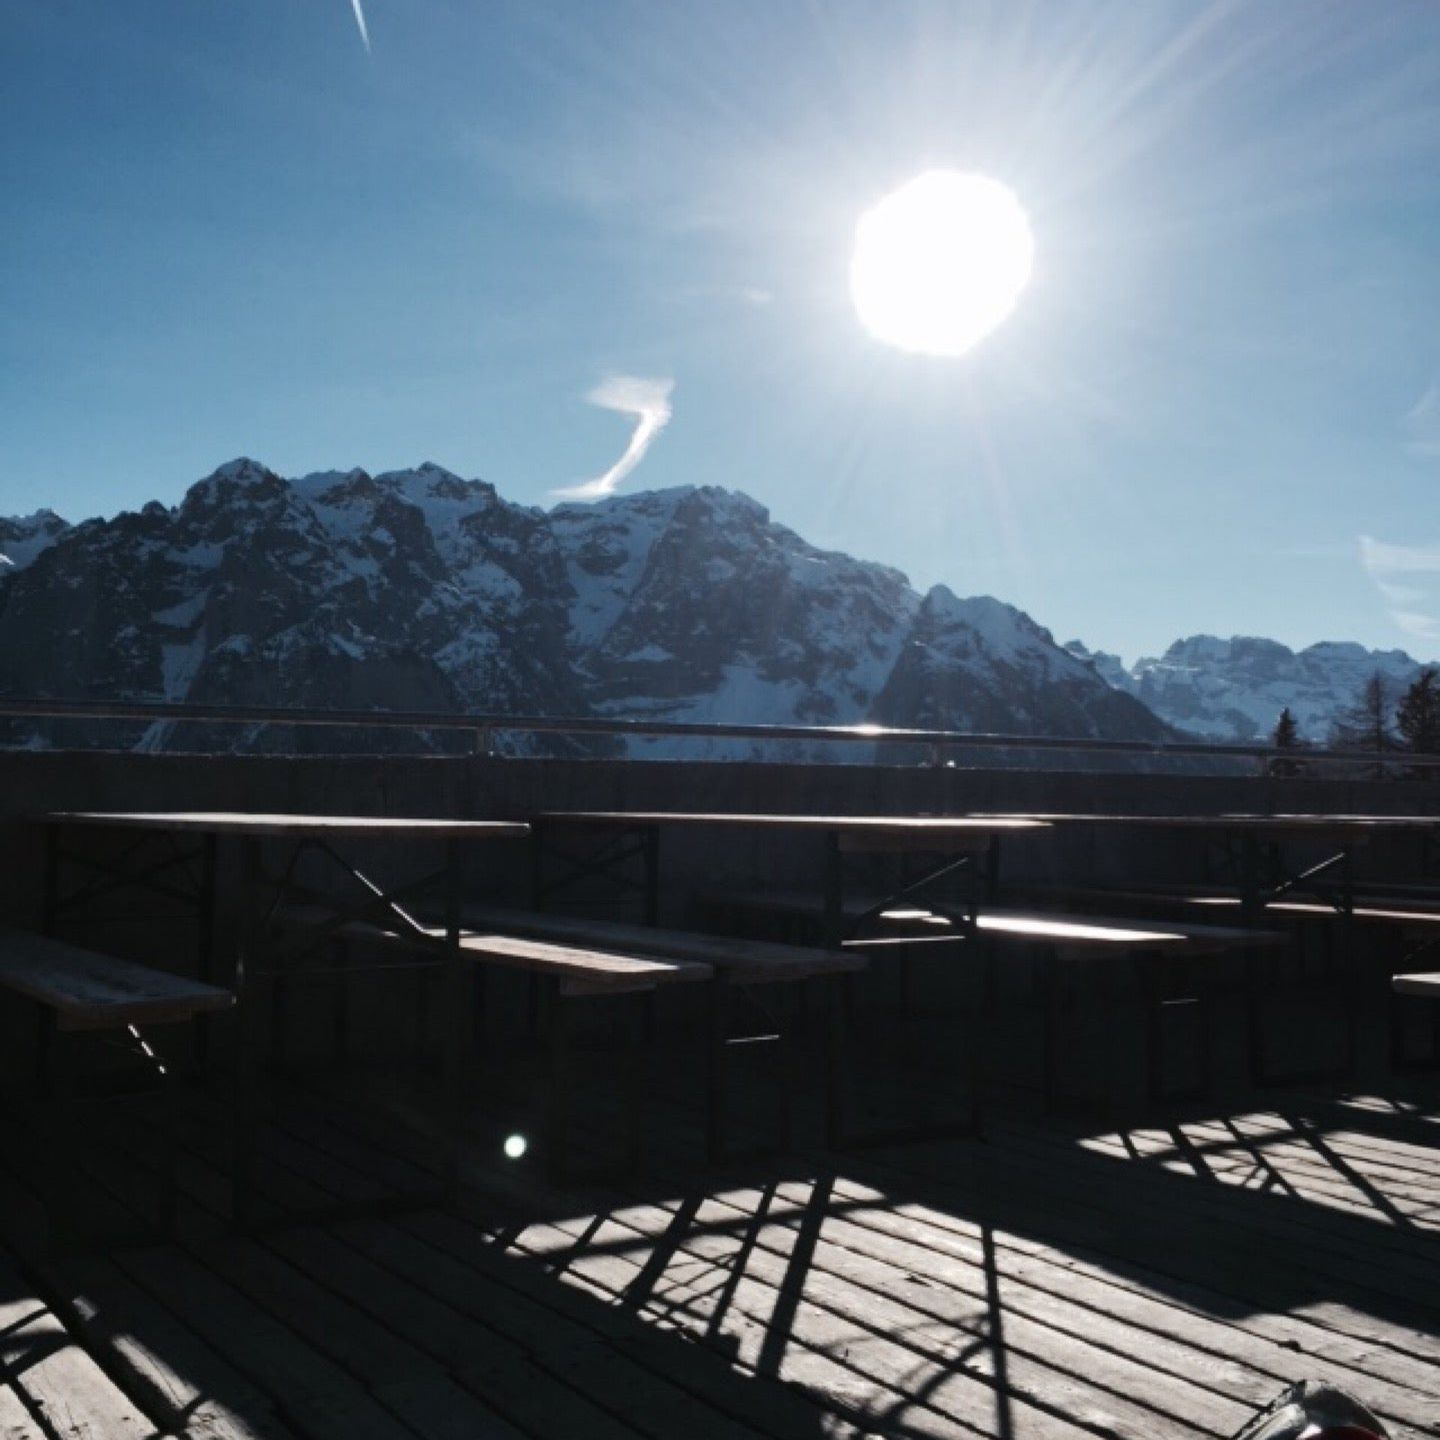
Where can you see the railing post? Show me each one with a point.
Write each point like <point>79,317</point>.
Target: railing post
<point>937,754</point>
<point>485,740</point>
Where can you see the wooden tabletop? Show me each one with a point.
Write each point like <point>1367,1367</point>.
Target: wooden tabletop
<point>239,822</point>
<point>1300,825</point>
<point>915,826</point>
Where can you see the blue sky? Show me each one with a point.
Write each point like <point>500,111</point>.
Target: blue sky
<point>230,229</point>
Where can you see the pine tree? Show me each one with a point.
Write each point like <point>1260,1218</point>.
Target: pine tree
<point>1365,725</point>
<point>1286,737</point>
<point>1418,718</point>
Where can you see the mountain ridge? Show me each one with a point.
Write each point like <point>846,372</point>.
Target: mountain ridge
<point>417,589</point>
<point>420,589</point>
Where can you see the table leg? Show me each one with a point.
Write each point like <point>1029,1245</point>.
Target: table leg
<point>50,893</point>
<point>834,884</point>
<point>454,1025</point>
<point>557,1089</point>
<point>205,948</point>
<point>247,1068</point>
<point>1352,991</point>
<point>717,1099</point>
<point>650,854</point>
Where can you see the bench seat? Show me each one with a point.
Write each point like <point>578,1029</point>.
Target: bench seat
<point>1427,987</point>
<point>1068,934</point>
<point>744,962</point>
<point>607,971</point>
<point>580,969</point>
<point>1413,916</point>
<point>90,991</point>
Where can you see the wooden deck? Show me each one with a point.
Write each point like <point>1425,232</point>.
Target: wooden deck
<point>1049,1281</point>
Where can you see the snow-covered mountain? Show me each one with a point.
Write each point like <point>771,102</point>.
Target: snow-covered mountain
<point>1234,690</point>
<point>419,590</point>
<point>23,537</point>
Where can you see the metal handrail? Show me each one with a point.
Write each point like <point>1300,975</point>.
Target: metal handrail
<point>486,726</point>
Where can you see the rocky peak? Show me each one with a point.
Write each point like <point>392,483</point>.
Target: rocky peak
<point>24,537</point>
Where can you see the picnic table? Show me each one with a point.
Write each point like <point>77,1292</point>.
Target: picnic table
<point>159,860</point>
<point>1254,846</point>
<point>968,844</point>
<point>1254,849</point>
<point>953,846</point>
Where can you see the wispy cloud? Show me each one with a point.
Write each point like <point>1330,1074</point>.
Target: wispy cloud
<point>648,400</point>
<point>1413,622</point>
<point>360,23</point>
<point>1379,558</point>
<point>1405,576</point>
<point>1422,422</point>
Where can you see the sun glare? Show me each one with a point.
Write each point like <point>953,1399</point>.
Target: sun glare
<point>940,262</point>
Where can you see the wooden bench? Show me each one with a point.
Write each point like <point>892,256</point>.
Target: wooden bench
<point>566,968</point>
<point>83,990</point>
<point>1411,928</point>
<point>1160,951</point>
<point>743,962</point>
<point>738,964</point>
<point>76,990</point>
<point>1427,987</point>
<point>1406,989</point>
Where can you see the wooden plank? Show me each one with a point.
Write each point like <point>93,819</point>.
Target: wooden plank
<point>1065,932</point>
<point>1335,827</point>
<point>313,1394</point>
<point>1427,987</point>
<point>1275,1339</point>
<point>916,830</point>
<point>665,1381</point>
<point>1051,1329</point>
<point>596,967</point>
<point>750,961</point>
<point>400,1279</point>
<point>93,991</point>
<point>888,1362</point>
<point>485,1360</point>
<point>1260,1254</point>
<point>16,1422</point>
<point>1164,1300</point>
<point>190,1386</point>
<point>56,1376</point>
<point>1070,935</point>
<point>1182,1330</point>
<point>1169,899</point>
<point>439,1409</point>
<point>1262,1166</point>
<point>237,822</point>
<point>587,968</point>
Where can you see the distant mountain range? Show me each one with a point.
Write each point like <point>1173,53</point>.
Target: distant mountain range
<point>1233,690</point>
<point>418,590</point>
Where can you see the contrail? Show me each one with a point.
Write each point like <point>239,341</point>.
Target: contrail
<point>649,402</point>
<point>360,21</point>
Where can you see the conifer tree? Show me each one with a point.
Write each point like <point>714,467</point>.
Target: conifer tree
<point>1366,724</point>
<point>1418,718</point>
<point>1285,737</point>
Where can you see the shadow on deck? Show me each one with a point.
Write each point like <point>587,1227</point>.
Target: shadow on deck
<point>1050,1280</point>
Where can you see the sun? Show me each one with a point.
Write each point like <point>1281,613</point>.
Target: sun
<point>940,262</point>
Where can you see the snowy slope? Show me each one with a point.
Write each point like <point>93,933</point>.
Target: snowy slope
<point>23,537</point>
<point>1234,690</point>
<point>416,589</point>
